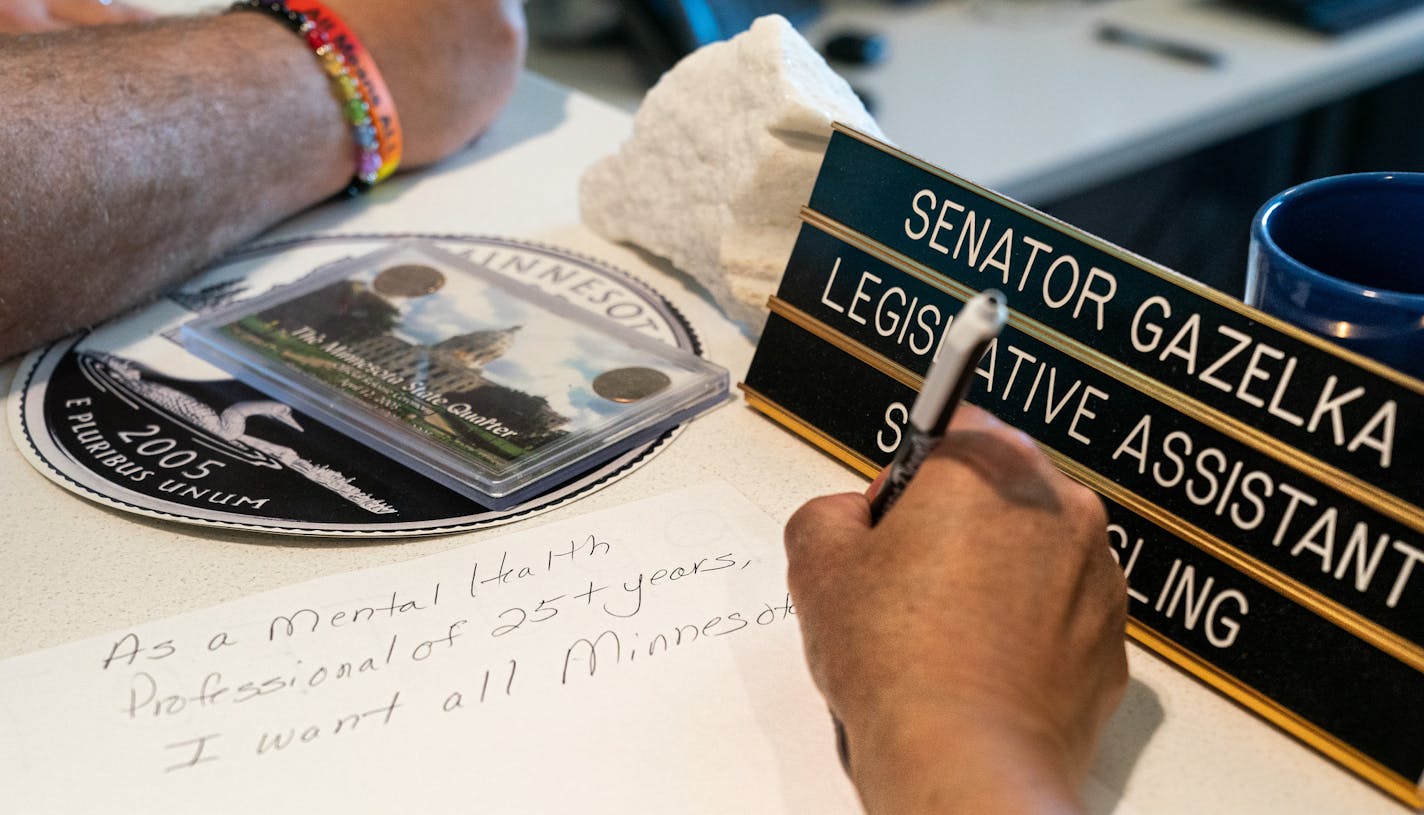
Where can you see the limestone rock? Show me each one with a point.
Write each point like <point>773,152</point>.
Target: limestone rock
<point>724,152</point>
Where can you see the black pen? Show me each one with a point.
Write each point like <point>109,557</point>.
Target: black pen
<point>948,379</point>
<point>1185,52</point>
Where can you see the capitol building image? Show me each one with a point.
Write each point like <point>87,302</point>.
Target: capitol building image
<point>451,365</point>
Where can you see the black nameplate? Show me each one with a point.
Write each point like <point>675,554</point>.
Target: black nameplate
<point>1264,640</point>
<point>1248,640</point>
<point>1266,377</point>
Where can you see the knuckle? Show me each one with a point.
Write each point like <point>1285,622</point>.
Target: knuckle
<point>1087,509</point>
<point>1014,439</point>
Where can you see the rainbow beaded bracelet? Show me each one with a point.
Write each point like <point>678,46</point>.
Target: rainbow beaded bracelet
<point>355,82</point>
<point>363,69</point>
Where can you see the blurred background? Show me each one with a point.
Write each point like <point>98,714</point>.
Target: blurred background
<point>1160,125</point>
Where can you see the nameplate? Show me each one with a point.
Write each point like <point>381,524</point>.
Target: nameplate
<point>1257,374</point>
<point>1252,472</point>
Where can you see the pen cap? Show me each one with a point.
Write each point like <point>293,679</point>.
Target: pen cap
<point>974,327</point>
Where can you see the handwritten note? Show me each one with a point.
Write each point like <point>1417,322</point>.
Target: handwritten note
<point>644,658</point>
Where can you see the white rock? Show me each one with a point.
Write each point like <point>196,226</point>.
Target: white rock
<point>724,152</point>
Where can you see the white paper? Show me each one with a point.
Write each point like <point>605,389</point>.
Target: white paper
<point>458,682</point>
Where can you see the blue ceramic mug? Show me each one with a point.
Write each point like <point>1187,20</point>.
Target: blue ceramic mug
<point>1343,257</point>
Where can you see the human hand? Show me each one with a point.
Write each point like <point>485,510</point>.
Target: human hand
<point>971,642</point>
<point>32,16</point>
<point>450,65</point>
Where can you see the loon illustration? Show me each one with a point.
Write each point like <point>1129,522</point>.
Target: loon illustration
<point>231,424</point>
<point>224,432</point>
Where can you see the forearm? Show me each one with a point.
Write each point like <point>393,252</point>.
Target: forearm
<point>136,154</point>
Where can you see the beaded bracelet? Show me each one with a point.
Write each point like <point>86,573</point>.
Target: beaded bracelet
<point>355,82</point>
<point>373,87</point>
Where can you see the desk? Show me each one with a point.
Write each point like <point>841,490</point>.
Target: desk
<point>1031,104</point>
<point>1174,746</point>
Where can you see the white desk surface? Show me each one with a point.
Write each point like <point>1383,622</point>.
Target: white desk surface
<point>1174,745</point>
<point>1027,101</point>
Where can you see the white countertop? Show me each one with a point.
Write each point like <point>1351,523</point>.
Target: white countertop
<point>73,569</point>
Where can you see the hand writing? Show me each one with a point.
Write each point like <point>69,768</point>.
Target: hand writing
<point>972,641</point>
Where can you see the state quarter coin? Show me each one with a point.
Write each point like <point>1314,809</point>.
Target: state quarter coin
<point>409,280</point>
<point>629,384</point>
